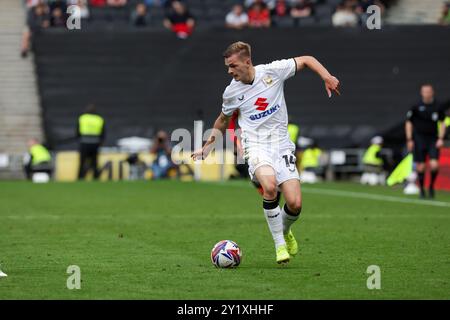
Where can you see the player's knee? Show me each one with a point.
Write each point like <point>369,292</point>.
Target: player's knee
<point>420,168</point>
<point>434,166</point>
<point>270,191</point>
<point>295,206</point>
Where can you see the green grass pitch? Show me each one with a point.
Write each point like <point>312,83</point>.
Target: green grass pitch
<point>152,240</point>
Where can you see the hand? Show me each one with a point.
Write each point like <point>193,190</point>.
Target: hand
<point>410,145</point>
<point>198,155</point>
<point>439,143</point>
<point>332,85</point>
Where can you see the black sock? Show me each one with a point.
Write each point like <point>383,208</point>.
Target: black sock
<point>270,204</point>
<point>289,212</point>
<point>434,174</point>
<point>421,180</point>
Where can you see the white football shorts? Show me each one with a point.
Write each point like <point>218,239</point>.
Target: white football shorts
<point>282,161</point>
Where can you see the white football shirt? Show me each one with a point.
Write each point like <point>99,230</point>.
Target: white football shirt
<point>262,108</point>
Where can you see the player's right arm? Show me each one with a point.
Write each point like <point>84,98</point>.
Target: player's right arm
<point>409,131</point>
<point>220,125</point>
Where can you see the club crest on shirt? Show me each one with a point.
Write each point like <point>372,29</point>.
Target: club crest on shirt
<point>435,116</point>
<point>268,80</point>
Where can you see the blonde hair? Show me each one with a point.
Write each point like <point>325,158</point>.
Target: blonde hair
<point>241,48</point>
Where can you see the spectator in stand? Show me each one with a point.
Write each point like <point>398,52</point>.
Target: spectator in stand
<point>97,3</point>
<point>180,21</point>
<point>32,3</point>
<point>281,9</point>
<point>259,15</point>
<point>237,18</point>
<point>345,15</point>
<point>140,16</point>
<point>58,17</point>
<point>116,3</point>
<point>38,18</point>
<point>58,13</point>
<point>281,13</point>
<point>269,3</point>
<point>445,19</point>
<point>301,9</point>
<point>82,4</point>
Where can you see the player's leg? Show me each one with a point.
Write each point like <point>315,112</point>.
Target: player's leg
<point>289,182</point>
<point>434,166</point>
<point>291,211</point>
<point>260,190</point>
<point>82,164</point>
<point>266,177</point>
<point>419,159</point>
<point>420,167</point>
<point>95,163</point>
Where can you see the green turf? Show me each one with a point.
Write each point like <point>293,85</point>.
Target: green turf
<point>151,240</point>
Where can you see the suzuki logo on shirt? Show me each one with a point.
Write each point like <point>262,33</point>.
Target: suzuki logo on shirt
<point>261,104</point>
<point>265,113</point>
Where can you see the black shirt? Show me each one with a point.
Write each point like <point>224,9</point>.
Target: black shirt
<point>424,118</point>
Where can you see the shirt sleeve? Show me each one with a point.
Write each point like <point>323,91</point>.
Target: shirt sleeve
<point>229,104</point>
<point>229,18</point>
<point>410,114</point>
<point>284,69</point>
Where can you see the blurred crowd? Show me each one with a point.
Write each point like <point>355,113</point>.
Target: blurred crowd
<point>267,13</point>
<point>182,16</point>
<point>177,13</point>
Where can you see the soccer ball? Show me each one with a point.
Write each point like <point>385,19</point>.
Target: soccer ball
<point>226,254</point>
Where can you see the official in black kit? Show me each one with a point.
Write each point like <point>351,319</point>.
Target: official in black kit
<point>425,131</point>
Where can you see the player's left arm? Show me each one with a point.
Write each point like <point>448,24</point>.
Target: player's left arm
<point>331,82</point>
<point>441,135</point>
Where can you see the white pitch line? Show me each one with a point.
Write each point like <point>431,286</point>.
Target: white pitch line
<point>370,196</point>
<point>352,194</point>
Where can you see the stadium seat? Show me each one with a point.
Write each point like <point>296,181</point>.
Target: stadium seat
<point>283,22</point>
<point>307,21</point>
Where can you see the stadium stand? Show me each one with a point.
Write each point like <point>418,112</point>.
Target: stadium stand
<point>19,102</point>
<point>212,13</point>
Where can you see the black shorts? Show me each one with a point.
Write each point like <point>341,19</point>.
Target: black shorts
<point>423,146</point>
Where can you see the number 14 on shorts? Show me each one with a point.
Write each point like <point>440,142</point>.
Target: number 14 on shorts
<point>290,161</point>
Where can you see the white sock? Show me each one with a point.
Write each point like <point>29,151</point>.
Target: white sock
<point>288,220</point>
<point>275,222</point>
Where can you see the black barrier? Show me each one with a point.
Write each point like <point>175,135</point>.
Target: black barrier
<point>143,81</point>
